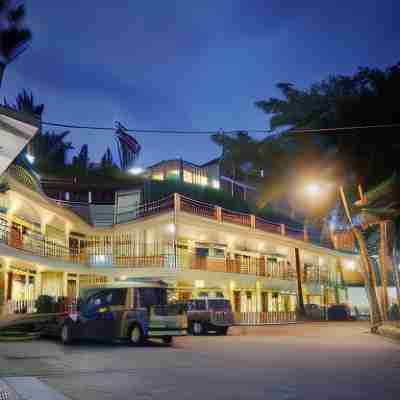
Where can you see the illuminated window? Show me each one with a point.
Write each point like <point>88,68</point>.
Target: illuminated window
<point>187,176</point>
<point>158,176</point>
<point>203,181</point>
<point>173,174</point>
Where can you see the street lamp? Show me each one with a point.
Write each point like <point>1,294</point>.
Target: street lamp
<point>313,189</point>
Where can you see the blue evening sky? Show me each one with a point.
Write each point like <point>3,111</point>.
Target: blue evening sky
<point>189,64</point>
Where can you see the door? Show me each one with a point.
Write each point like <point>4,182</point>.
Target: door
<point>97,319</point>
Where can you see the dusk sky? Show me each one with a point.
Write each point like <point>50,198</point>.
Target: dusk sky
<point>189,64</point>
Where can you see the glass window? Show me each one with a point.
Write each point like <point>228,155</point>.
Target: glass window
<point>202,251</point>
<point>199,305</point>
<point>219,253</point>
<point>187,176</point>
<point>152,297</point>
<point>219,304</point>
<point>115,297</point>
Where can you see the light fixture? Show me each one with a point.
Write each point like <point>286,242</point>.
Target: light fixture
<point>215,184</point>
<point>30,158</point>
<point>351,265</point>
<point>171,228</point>
<point>136,170</point>
<point>123,278</point>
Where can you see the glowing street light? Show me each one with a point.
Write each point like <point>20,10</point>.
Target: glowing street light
<point>136,170</point>
<point>313,189</point>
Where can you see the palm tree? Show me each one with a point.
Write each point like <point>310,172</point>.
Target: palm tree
<point>14,36</point>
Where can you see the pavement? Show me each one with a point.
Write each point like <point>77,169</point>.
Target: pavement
<point>285,362</point>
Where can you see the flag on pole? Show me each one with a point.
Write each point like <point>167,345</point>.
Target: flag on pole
<point>128,147</point>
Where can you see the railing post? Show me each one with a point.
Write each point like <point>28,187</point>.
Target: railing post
<point>306,237</point>
<point>218,213</point>
<point>252,221</point>
<point>283,229</point>
<point>177,202</point>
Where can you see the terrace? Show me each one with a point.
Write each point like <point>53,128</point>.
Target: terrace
<point>122,250</point>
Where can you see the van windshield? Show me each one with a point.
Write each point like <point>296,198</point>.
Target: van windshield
<point>219,304</point>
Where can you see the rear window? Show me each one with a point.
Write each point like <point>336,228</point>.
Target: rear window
<point>196,305</point>
<point>219,304</point>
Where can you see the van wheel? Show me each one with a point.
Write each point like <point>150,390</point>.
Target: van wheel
<point>198,328</point>
<point>136,336</point>
<point>168,340</point>
<point>66,334</point>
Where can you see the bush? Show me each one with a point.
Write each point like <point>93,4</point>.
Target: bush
<point>45,304</point>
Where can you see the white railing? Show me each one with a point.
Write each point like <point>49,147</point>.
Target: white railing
<point>264,318</point>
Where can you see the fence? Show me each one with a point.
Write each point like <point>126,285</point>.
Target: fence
<point>264,318</point>
<point>20,306</point>
<point>60,305</point>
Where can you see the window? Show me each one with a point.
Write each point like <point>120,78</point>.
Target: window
<point>202,251</point>
<point>219,305</point>
<point>173,174</point>
<point>148,297</point>
<point>115,297</point>
<point>220,253</point>
<point>187,176</point>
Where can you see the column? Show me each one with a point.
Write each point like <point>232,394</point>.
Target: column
<point>258,297</point>
<point>38,284</point>
<point>65,284</point>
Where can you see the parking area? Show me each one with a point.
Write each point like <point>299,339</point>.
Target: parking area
<point>324,360</point>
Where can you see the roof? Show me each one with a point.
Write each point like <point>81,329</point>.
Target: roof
<point>213,161</point>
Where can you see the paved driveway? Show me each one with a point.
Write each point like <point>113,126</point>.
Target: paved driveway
<point>325,361</point>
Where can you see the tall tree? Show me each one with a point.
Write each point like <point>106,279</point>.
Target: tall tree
<point>14,35</point>
<point>107,159</point>
<point>365,99</point>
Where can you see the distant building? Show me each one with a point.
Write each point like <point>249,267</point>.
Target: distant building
<point>208,174</point>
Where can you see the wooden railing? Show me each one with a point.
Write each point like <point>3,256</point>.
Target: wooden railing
<point>264,318</point>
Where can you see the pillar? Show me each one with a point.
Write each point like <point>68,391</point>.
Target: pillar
<point>258,297</point>
<point>65,284</point>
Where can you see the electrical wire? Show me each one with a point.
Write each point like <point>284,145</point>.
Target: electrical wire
<point>216,131</point>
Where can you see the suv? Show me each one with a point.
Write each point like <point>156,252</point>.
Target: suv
<point>209,314</point>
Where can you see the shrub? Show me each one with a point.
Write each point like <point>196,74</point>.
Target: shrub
<point>45,304</point>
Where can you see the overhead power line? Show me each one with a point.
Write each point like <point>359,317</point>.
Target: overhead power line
<point>211,132</point>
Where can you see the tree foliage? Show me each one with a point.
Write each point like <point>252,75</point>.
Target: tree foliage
<point>14,35</point>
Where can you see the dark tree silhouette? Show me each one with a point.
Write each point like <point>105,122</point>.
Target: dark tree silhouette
<point>14,36</point>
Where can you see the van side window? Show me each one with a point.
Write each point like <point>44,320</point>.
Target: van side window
<point>115,297</point>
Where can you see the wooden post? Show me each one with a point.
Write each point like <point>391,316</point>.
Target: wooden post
<point>306,236</point>
<point>367,267</point>
<point>218,213</point>
<point>300,298</point>
<point>383,260</point>
<point>283,229</point>
<point>252,221</point>
<point>177,202</point>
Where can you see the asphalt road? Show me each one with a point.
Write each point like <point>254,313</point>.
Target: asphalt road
<point>325,361</point>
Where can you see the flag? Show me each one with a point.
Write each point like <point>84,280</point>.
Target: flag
<point>128,147</point>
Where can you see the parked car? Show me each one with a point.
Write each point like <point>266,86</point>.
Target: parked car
<point>339,312</point>
<point>209,314</point>
<point>122,310</point>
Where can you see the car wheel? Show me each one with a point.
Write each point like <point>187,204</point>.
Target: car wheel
<point>66,334</point>
<point>168,340</point>
<point>136,336</point>
<point>198,328</point>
